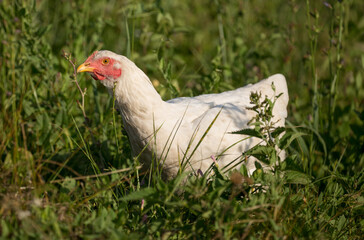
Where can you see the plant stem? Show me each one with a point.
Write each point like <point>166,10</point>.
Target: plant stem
<point>74,76</point>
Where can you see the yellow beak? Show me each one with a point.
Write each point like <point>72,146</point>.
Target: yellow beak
<point>85,67</point>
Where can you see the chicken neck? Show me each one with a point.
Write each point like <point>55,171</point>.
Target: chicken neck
<point>138,103</point>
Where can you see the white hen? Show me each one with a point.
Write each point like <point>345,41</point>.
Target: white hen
<point>171,130</point>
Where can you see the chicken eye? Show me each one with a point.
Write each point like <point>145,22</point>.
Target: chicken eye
<point>105,61</point>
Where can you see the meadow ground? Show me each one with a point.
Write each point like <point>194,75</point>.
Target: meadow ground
<point>66,176</point>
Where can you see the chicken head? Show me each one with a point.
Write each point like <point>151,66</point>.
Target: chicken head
<point>101,67</point>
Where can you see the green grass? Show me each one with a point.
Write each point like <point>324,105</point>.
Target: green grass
<point>64,177</point>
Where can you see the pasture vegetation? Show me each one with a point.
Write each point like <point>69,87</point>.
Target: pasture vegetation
<point>66,176</point>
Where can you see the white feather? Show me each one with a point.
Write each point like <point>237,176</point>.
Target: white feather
<point>169,128</point>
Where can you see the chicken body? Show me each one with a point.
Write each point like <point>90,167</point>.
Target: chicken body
<point>188,129</point>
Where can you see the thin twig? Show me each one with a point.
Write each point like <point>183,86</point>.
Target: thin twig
<point>68,57</point>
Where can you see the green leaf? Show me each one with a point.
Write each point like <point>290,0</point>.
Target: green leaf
<point>4,228</point>
<point>296,177</point>
<point>249,132</point>
<point>341,222</point>
<point>59,118</point>
<point>273,158</point>
<point>262,153</point>
<point>288,138</point>
<point>278,131</point>
<point>243,170</point>
<point>28,108</point>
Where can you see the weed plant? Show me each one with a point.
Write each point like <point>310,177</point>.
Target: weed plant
<point>68,172</point>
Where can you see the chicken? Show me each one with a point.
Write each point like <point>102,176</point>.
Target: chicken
<point>183,130</point>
